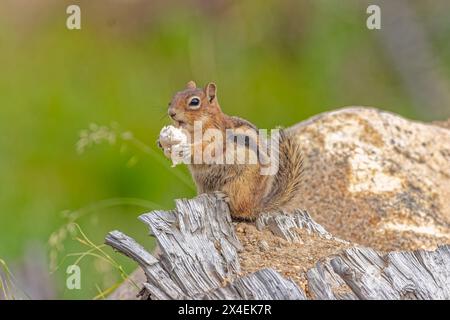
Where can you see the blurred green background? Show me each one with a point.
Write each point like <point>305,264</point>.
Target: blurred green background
<point>275,63</point>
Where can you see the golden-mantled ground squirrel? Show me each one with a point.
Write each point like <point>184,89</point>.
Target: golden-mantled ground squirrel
<point>247,191</point>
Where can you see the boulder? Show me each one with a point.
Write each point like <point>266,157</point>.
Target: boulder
<point>377,179</point>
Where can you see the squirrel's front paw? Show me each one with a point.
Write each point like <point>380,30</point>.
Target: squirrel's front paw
<point>174,143</point>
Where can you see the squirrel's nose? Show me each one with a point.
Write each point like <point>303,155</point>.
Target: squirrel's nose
<point>172,114</point>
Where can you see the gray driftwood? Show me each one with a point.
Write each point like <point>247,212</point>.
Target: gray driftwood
<point>283,224</point>
<point>198,259</point>
<point>363,273</point>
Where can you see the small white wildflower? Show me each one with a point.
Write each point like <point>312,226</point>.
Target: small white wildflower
<point>71,228</point>
<point>111,138</point>
<point>95,135</point>
<point>127,135</point>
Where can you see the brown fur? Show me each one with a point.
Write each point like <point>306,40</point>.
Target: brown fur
<point>249,193</point>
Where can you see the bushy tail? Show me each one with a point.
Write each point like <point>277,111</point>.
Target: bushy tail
<point>286,183</point>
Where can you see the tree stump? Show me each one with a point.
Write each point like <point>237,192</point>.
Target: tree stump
<point>199,259</point>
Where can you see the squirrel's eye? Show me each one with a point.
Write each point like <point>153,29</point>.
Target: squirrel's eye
<point>194,102</point>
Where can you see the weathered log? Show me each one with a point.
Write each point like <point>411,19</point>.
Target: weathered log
<point>368,274</point>
<point>325,284</point>
<point>284,225</point>
<point>265,284</point>
<point>167,288</point>
<point>199,260</point>
<point>199,256</point>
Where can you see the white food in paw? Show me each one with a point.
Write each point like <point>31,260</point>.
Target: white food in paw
<point>171,135</point>
<point>175,144</point>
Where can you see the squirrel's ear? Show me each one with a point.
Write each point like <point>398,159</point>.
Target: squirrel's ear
<point>191,85</point>
<point>211,91</point>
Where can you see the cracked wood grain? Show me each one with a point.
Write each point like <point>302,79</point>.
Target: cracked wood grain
<point>198,259</point>
<point>199,256</point>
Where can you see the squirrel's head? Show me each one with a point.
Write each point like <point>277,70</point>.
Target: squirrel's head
<point>195,104</point>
